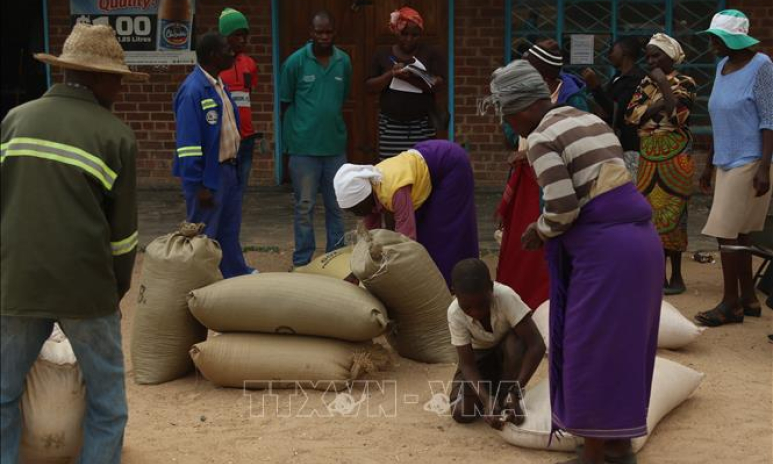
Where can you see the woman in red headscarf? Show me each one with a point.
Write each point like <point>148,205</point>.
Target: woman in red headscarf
<point>407,75</point>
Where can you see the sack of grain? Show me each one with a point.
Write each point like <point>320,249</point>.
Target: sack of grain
<point>674,332</point>
<point>53,405</point>
<point>290,303</point>
<point>163,329</point>
<point>672,384</point>
<point>541,318</point>
<point>400,272</point>
<point>333,264</point>
<point>243,360</point>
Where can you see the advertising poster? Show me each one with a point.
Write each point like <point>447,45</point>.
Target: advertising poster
<point>151,32</point>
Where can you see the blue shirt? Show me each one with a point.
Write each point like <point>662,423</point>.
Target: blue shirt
<point>314,123</point>
<point>198,112</point>
<point>741,106</point>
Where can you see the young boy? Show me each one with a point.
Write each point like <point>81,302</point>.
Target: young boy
<point>498,344</point>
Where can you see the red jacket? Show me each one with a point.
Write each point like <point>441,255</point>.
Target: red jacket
<point>240,79</point>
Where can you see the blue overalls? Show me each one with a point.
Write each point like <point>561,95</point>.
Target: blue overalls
<point>199,113</point>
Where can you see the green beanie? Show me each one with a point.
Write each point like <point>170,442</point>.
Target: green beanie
<point>231,21</point>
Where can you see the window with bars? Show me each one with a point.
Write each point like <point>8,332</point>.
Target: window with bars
<point>532,20</point>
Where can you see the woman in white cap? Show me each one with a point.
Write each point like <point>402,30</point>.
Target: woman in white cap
<point>741,109</point>
<point>426,193</point>
<point>661,108</point>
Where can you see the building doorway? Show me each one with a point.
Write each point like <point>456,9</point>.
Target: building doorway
<point>362,27</point>
<point>23,77</point>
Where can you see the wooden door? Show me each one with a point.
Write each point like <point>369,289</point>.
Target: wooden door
<point>361,27</point>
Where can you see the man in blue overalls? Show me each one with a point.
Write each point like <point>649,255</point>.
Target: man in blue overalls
<point>207,144</point>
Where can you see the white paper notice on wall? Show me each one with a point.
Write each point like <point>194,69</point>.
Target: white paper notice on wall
<point>582,49</point>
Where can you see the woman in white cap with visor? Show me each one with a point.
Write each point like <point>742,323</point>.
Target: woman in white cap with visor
<point>741,109</point>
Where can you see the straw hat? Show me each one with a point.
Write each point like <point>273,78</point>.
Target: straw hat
<point>92,48</point>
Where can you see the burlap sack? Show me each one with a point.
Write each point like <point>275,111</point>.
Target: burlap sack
<point>675,330</point>
<point>333,264</point>
<point>163,329</point>
<point>672,384</point>
<point>290,303</point>
<point>53,405</point>
<point>284,361</point>
<point>400,272</point>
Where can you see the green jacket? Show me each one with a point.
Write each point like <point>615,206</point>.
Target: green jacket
<point>69,207</point>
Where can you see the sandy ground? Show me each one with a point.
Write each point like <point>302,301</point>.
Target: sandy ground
<point>728,419</point>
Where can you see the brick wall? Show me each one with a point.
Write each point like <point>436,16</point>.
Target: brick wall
<point>147,107</point>
<point>479,50</point>
<point>760,13</point>
<point>480,29</point>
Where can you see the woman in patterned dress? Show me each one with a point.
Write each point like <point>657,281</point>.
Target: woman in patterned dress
<point>660,108</point>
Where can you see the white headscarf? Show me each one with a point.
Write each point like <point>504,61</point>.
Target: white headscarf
<point>352,183</point>
<point>669,46</point>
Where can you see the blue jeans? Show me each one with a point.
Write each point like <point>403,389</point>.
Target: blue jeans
<point>311,175</point>
<point>223,220</point>
<point>246,148</point>
<point>96,343</point>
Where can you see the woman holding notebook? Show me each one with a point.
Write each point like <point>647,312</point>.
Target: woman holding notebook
<point>407,75</point>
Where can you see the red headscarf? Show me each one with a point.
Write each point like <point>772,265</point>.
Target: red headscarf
<point>399,19</point>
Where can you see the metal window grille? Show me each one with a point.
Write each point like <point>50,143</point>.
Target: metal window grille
<point>532,20</point>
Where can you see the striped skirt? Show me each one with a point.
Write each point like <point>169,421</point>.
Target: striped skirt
<point>395,137</point>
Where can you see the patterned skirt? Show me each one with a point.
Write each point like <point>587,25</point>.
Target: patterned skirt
<point>665,178</point>
<point>395,137</point>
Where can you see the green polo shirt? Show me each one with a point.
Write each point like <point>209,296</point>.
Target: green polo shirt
<point>314,123</point>
<point>69,207</point>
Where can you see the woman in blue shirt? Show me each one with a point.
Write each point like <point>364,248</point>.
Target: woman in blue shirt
<point>741,109</point>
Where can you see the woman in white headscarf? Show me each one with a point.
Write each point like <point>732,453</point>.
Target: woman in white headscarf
<point>660,108</point>
<point>426,193</point>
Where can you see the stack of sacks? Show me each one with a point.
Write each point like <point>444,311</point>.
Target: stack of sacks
<point>164,330</point>
<point>674,332</point>
<point>400,272</point>
<point>53,405</point>
<point>287,329</point>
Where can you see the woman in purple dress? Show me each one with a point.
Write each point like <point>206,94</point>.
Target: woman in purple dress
<point>605,294</point>
<point>426,193</point>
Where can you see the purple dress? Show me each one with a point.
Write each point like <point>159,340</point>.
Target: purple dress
<point>606,284</point>
<point>446,224</point>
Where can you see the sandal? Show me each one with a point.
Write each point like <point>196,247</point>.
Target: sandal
<point>752,310</point>
<point>628,458</point>
<point>677,290</point>
<point>721,315</point>
<point>580,460</point>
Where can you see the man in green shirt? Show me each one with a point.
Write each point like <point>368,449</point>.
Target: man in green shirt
<point>69,236</point>
<point>315,82</point>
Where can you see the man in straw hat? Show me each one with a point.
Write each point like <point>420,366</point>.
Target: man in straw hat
<point>69,228</point>
<point>601,358</point>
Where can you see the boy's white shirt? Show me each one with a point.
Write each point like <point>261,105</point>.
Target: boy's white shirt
<point>507,310</point>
